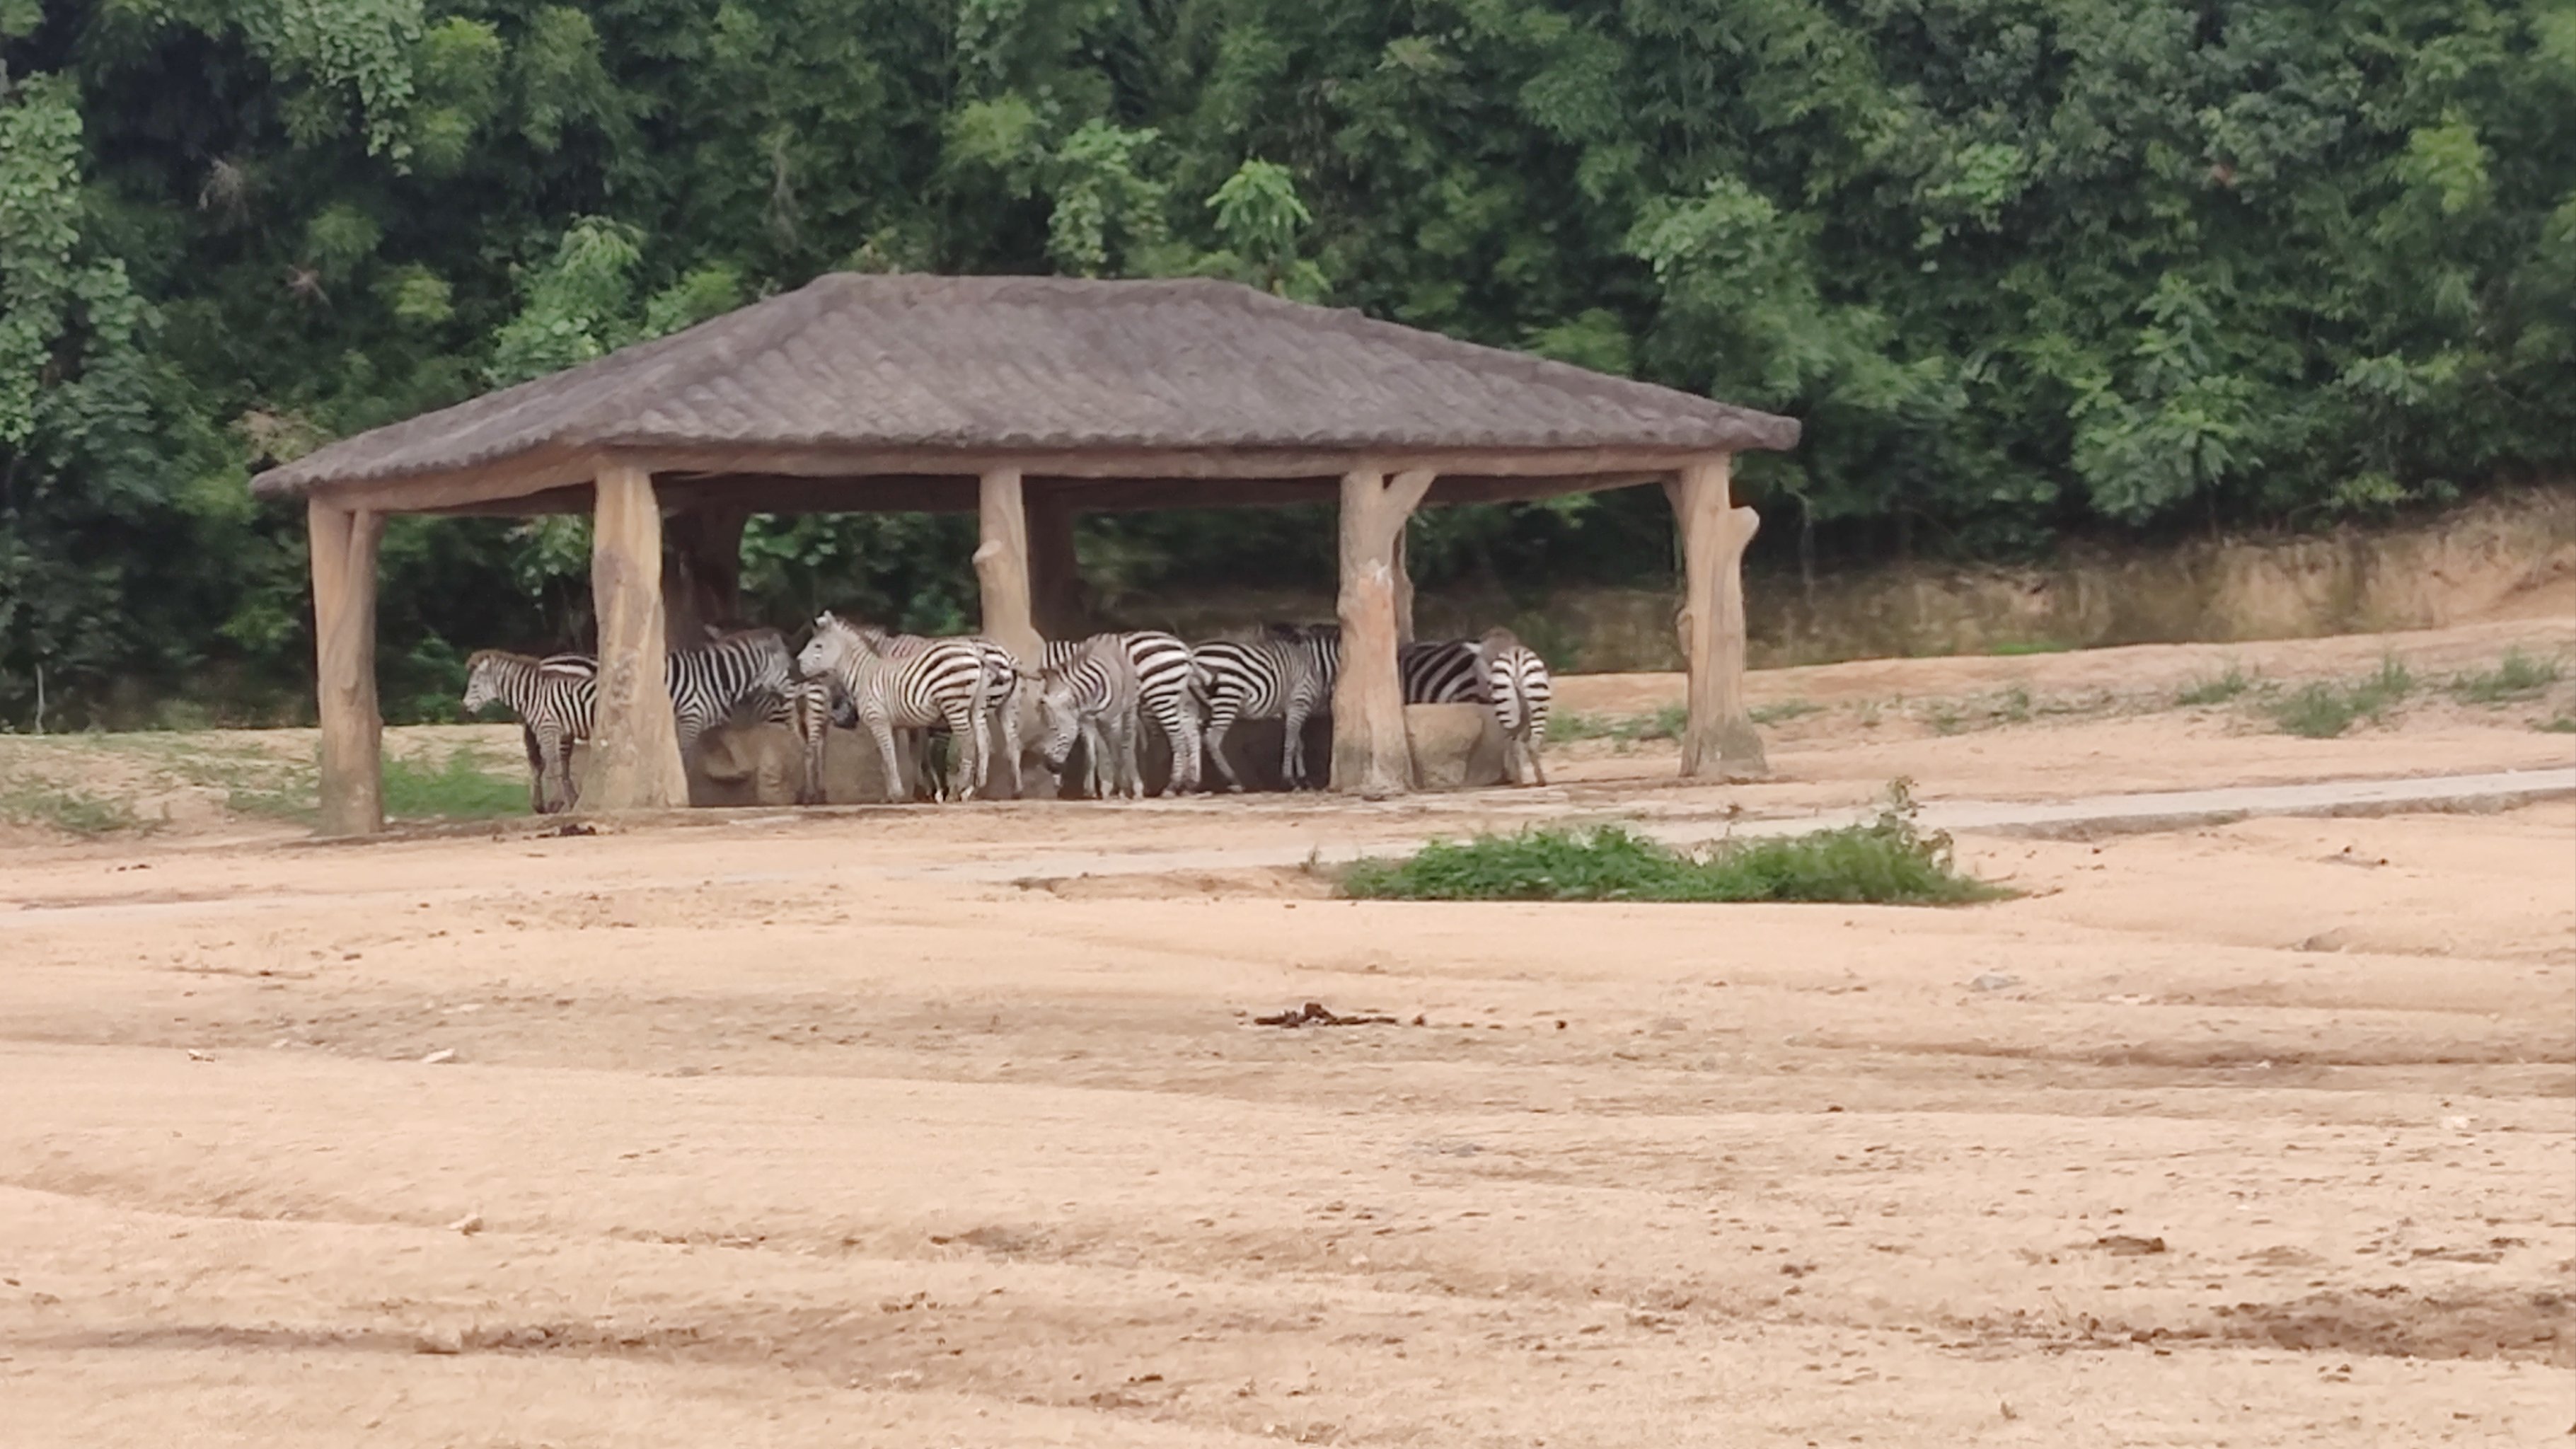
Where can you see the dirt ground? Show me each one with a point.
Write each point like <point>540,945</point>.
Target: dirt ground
<point>758,1131</point>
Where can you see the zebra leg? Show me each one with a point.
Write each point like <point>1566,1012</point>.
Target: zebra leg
<point>1221,719</point>
<point>536,770</point>
<point>965,725</point>
<point>813,727</point>
<point>1173,716</point>
<point>1292,746</point>
<point>898,788</point>
<point>1133,787</point>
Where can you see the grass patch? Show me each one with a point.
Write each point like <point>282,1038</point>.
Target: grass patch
<point>460,789</point>
<point>2564,724</point>
<point>75,812</point>
<point>1787,709</point>
<point>2217,689</point>
<point>1887,862</point>
<point>1664,724</point>
<point>2030,646</point>
<point>2322,711</point>
<point>2516,676</point>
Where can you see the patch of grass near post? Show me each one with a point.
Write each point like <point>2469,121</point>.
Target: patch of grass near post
<point>460,789</point>
<point>2564,724</point>
<point>1885,862</point>
<point>1664,724</point>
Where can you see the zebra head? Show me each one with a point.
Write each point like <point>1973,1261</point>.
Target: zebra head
<point>482,680</point>
<point>822,655</point>
<point>1059,719</point>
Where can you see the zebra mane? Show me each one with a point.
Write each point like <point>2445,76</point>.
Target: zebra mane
<point>480,657</point>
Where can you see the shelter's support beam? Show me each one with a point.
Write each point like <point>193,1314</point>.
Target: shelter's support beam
<point>344,648</point>
<point>1055,574</point>
<point>634,749</point>
<point>1403,585</point>
<point>1719,740</point>
<point>1002,571</point>
<point>701,572</point>
<point>1371,756</point>
<point>1002,565</point>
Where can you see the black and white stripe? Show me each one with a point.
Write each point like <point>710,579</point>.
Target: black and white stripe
<point>556,698</point>
<point>1004,680</point>
<point>1162,692</point>
<point>1517,681</point>
<point>1091,693</point>
<point>1285,673</point>
<point>935,683</point>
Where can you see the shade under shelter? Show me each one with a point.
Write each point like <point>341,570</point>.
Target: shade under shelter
<point>1027,400</point>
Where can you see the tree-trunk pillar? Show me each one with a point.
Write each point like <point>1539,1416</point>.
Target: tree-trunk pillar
<point>701,574</point>
<point>1403,584</point>
<point>344,661</point>
<point>1002,570</point>
<point>634,747</point>
<point>1055,574</point>
<point>1002,566</point>
<point>1719,740</point>
<point>1371,755</point>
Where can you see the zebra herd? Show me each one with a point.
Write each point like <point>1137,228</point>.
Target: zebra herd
<point>901,690</point>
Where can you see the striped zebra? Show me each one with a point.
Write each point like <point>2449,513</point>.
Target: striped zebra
<point>938,683</point>
<point>1517,682</point>
<point>1285,673</point>
<point>1001,695</point>
<point>1163,693</point>
<point>1093,695</point>
<point>556,698</point>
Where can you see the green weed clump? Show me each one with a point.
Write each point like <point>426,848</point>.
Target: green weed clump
<point>2516,676</point>
<point>1664,724</point>
<point>2322,711</point>
<point>2018,648</point>
<point>2564,724</point>
<point>2218,689</point>
<point>1885,862</point>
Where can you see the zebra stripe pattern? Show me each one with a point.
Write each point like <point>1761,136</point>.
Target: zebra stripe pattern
<point>1093,694</point>
<point>938,683</point>
<point>1286,674</point>
<point>1163,692</point>
<point>556,697</point>
<point>1517,681</point>
<point>1001,695</point>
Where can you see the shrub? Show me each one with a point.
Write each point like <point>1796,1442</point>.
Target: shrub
<point>2516,676</point>
<point>1887,861</point>
<point>2322,711</point>
<point>2218,689</point>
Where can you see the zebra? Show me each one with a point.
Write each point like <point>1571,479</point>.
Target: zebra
<point>1163,693</point>
<point>552,698</point>
<point>942,682</point>
<point>1516,680</point>
<point>1001,694</point>
<point>1094,694</point>
<point>556,697</point>
<point>1285,672</point>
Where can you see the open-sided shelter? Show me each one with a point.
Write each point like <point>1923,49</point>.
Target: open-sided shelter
<point>1028,400</point>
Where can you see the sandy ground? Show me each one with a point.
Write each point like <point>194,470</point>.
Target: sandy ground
<point>2258,1134</point>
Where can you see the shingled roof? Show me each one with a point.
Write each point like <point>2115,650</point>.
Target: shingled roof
<point>992,364</point>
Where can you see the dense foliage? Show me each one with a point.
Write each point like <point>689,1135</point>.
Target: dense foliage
<point>2023,266</point>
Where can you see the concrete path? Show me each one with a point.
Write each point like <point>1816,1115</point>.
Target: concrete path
<point>2083,816</point>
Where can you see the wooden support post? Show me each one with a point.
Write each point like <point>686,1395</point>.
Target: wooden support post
<point>701,573</point>
<point>1055,574</point>
<point>1371,756</point>
<point>1403,585</point>
<point>344,659</point>
<point>634,747</point>
<point>1002,571</point>
<point>1719,741</point>
<point>1002,566</point>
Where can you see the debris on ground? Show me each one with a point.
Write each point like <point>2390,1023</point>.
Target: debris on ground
<point>2121,1245</point>
<point>1993,981</point>
<point>1315,1013</point>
